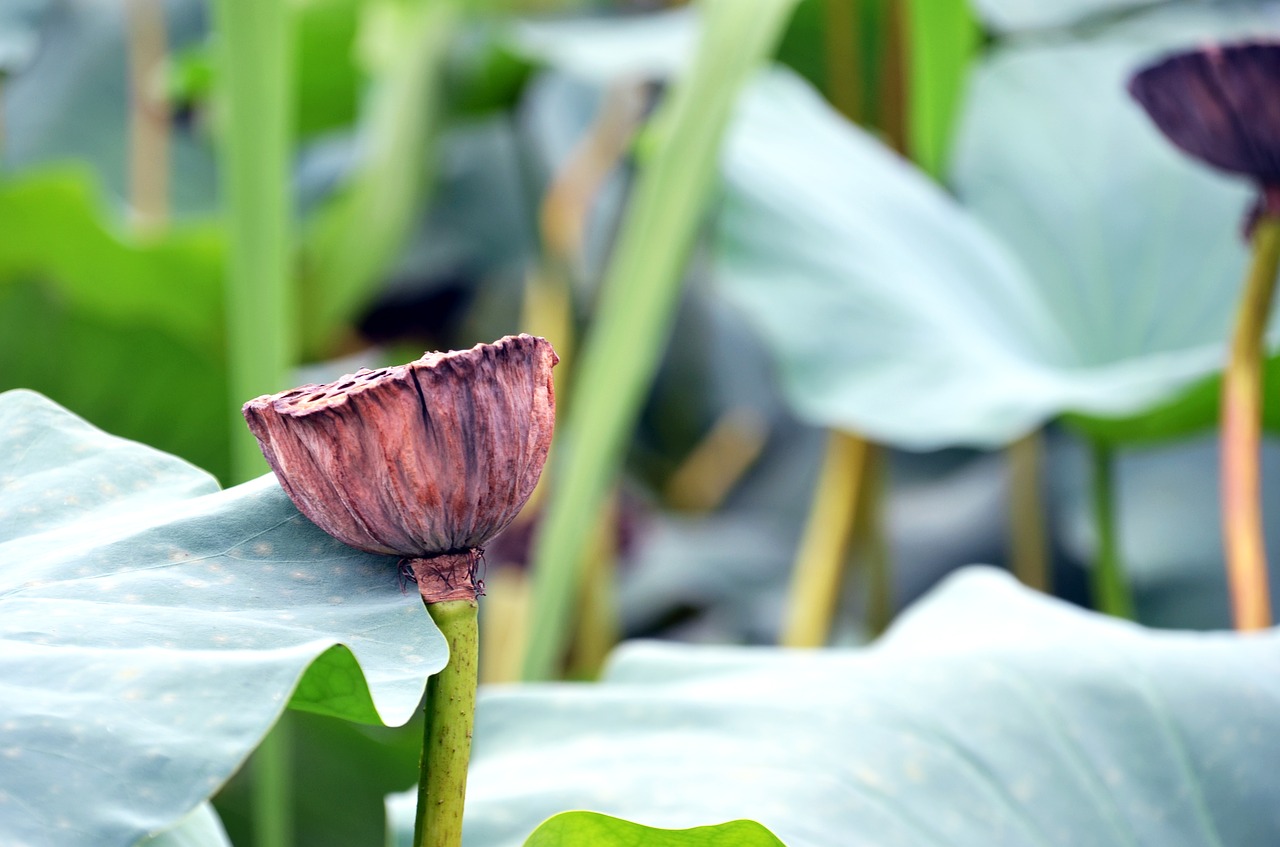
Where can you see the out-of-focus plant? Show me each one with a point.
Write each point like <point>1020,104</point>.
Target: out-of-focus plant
<point>621,350</point>
<point>1213,103</point>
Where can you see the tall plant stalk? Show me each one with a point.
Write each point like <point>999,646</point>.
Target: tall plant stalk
<point>1110,589</point>
<point>622,351</point>
<point>148,114</point>
<point>1241,437</point>
<point>824,547</point>
<point>255,41</point>
<point>1028,540</point>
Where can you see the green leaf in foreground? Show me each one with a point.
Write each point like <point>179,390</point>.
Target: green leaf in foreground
<point>988,715</point>
<point>152,628</point>
<point>591,829</point>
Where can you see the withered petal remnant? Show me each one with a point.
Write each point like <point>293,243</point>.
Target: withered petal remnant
<point>1221,104</point>
<point>421,460</point>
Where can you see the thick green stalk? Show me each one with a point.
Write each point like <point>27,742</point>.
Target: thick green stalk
<point>641,288</point>
<point>255,40</point>
<point>1110,591</point>
<point>943,36</point>
<point>1241,437</point>
<point>273,787</point>
<point>446,733</point>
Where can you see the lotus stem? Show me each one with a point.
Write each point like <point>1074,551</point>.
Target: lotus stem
<point>871,540</point>
<point>1241,437</point>
<point>824,547</point>
<point>446,734</point>
<point>1028,541</point>
<point>148,114</point>
<point>1110,590</point>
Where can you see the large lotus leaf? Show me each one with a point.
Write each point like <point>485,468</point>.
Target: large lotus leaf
<point>1135,248</point>
<point>989,715</point>
<point>152,628</point>
<point>1097,276</point>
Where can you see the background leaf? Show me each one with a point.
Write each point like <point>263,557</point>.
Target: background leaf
<point>89,314</point>
<point>153,628</point>
<point>1091,268</point>
<point>989,715</point>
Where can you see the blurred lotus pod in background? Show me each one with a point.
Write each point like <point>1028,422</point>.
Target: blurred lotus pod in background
<point>1221,104</point>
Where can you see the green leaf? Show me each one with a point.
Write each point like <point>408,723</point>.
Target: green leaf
<point>152,628</point>
<point>56,230</point>
<point>641,287</point>
<point>989,715</point>
<point>1092,268</point>
<point>88,314</point>
<point>590,828</point>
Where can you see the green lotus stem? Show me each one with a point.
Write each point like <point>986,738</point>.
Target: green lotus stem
<point>824,547</point>
<point>255,39</point>
<point>148,114</point>
<point>843,54</point>
<point>1110,591</point>
<point>869,534</point>
<point>1241,437</point>
<point>1028,540</point>
<point>446,733</point>
<point>273,787</point>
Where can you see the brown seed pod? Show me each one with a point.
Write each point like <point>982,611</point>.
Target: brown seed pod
<point>1219,103</point>
<point>427,460</point>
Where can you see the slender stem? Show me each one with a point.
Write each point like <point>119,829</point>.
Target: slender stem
<point>1241,437</point>
<point>869,529</point>
<point>148,115</point>
<point>255,38</point>
<point>1028,540</point>
<point>1110,591</point>
<point>446,733</point>
<point>893,97</point>
<point>273,787</point>
<point>844,83</point>
<point>824,547</point>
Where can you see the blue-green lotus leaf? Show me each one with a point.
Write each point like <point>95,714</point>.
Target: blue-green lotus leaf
<point>152,628</point>
<point>988,715</point>
<point>1088,267</point>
